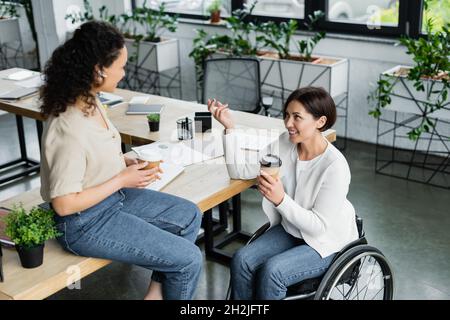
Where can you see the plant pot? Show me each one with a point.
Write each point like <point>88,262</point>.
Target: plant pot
<point>282,76</point>
<point>328,72</point>
<point>31,257</point>
<point>9,30</point>
<point>155,56</point>
<point>154,126</point>
<point>405,98</point>
<point>215,17</point>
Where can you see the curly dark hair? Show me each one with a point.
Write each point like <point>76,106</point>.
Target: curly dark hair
<point>70,72</point>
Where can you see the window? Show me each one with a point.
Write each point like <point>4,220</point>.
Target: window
<point>190,7</point>
<point>373,13</point>
<point>387,18</point>
<point>438,11</point>
<point>279,8</point>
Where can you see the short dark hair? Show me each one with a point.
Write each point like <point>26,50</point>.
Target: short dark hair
<point>70,72</point>
<point>317,102</point>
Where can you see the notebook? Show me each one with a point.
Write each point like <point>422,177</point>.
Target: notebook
<point>109,99</point>
<point>171,171</point>
<point>18,94</point>
<point>144,108</point>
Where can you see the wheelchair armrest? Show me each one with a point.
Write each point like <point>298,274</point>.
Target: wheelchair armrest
<point>359,225</point>
<point>259,232</point>
<point>267,102</point>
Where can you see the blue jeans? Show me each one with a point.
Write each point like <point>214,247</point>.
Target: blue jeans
<point>276,260</point>
<point>142,227</point>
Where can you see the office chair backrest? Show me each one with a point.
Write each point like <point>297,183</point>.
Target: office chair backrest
<point>233,81</point>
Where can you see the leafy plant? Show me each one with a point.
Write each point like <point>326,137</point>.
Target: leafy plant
<point>204,46</point>
<point>241,30</point>
<point>81,16</point>
<point>278,36</point>
<point>215,6</point>
<point>8,10</point>
<point>154,117</point>
<point>306,47</point>
<point>431,56</point>
<point>153,22</point>
<point>30,229</point>
<point>438,10</point>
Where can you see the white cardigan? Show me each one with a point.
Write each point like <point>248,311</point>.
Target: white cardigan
<point>315,208</point>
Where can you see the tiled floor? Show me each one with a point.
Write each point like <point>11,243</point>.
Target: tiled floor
<point>408,222</point>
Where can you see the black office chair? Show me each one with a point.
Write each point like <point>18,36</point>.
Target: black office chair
<point>235,81</point>
<point>357,272</point>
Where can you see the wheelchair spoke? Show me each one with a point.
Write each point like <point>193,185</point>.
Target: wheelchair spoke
<point>378,293</point>
<point>342,292</point>
<point>381,272</point>
<point>370,278</point>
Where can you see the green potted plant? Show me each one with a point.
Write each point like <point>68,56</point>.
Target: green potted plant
<point>153,121</point>
<point>7,10</point>
<point>148,49</point>
<point>214,11</point>
<point>284,71</point>
<point>9,25</point>
<point>422,89</point>
<point>29,231</point>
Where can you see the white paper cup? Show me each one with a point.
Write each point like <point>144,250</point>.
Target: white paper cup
<point>153,159</point>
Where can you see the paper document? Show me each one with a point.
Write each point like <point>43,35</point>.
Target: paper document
<point>187,152</point>
<point>34,82</point>
<point>22,75</point>
<point>171,171</point>
<point>256,142</point>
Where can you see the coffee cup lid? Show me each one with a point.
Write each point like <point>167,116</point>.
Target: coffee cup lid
<point>150,155</point>
<point>271,161</point>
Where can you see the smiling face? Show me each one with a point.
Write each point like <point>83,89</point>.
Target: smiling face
<point>113,74</point>
<point>301,125</point>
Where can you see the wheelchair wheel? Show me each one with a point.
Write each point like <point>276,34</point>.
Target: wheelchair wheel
<point>361,273</point>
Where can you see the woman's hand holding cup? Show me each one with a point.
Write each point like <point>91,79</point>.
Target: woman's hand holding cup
<point>136,176</point>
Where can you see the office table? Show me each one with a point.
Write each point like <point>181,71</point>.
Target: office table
<point>134,131</point>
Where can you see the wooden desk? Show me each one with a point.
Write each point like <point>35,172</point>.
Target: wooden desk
<point>134,128</point>
<point>206,184</point>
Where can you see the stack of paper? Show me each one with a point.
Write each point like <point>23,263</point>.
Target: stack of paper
<point>187,152</point>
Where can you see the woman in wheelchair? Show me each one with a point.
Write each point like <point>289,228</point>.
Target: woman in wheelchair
<point>310,216</point>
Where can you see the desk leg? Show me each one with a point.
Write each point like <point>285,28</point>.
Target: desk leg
<point>22,143</point>
<point>214,251</point>
<point>209,234</point>
<point>40,129</point>
<point>31,166</point>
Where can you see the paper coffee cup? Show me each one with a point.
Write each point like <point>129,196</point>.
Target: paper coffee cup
<point>153,159</point>
<point>271,165</point>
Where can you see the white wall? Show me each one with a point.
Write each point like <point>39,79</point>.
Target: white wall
<point>51,25</point>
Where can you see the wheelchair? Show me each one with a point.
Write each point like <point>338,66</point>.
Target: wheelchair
<point>357,272</point>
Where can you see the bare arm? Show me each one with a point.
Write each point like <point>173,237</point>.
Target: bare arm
<point>131,177</point>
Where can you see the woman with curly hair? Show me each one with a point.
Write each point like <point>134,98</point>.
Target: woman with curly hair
<point>103,209</point>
